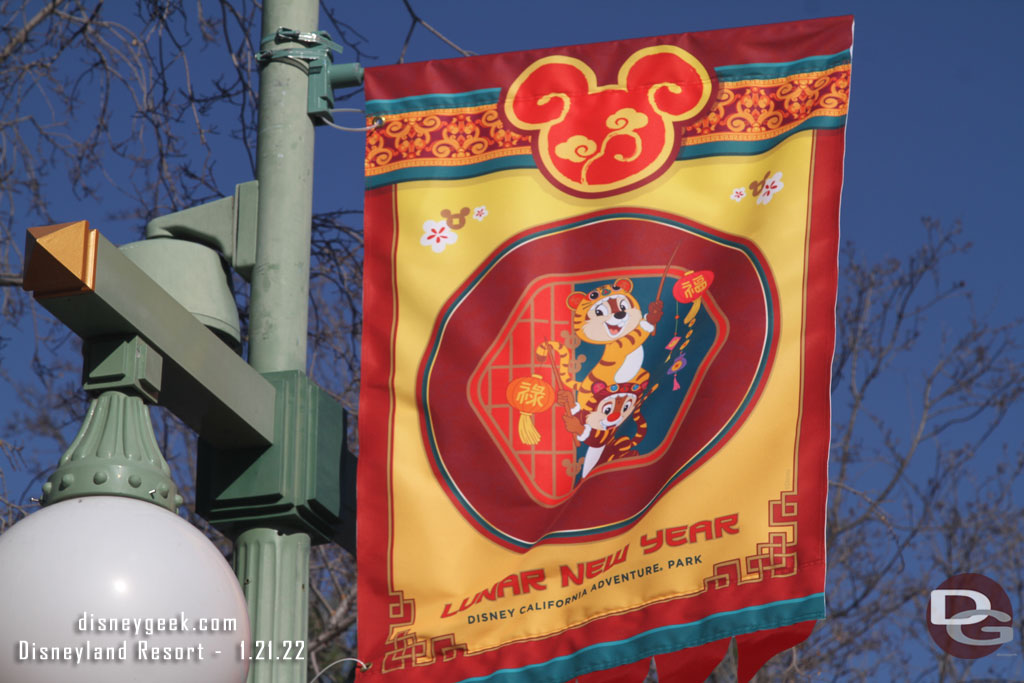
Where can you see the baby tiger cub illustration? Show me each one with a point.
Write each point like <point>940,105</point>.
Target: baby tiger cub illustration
<point>610,316</point>
<point>609,408</point>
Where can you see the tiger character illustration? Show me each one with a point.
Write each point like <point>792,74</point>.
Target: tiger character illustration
<point>609,316</point>
<point>609,408</point>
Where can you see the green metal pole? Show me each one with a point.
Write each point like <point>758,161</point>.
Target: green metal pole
<point>273,568</point>
<point>284,167</point>
<point>273,565</point>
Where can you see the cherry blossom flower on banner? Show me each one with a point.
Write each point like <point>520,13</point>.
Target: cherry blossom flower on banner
<point>480,212</point>
<point>437,235</point>
<point>763,190</point>
<point>771,187</point>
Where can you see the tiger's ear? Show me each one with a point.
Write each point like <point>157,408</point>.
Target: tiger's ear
<point>575,299</point>
<point>624,284</point>
<point>597,387</point>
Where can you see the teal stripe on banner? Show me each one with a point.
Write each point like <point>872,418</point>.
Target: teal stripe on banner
<point>749,148</point>
<point>402,105</point>
<point>744,72</point>
<point>664,639</point>
<point>451,172</point>
<point>707,149</point>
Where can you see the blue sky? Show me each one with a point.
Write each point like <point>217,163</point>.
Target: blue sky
<point>933,127</point>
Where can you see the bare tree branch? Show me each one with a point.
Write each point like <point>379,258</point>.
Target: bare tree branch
<point>22,35</point>
<point>416,19</point>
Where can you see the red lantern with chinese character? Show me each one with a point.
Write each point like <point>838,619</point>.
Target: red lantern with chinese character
<point>691,286</point>
<point>529,395</point>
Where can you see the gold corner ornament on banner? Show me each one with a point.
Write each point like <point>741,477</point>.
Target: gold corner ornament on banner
<point>598,329</point>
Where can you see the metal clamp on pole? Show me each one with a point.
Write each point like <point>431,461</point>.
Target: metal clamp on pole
<point>317,54</point>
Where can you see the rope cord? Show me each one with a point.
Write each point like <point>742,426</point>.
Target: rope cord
<point>378,121</point>
<point>362,665</point>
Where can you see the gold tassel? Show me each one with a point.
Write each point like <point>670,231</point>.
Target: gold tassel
<point>528,433</point>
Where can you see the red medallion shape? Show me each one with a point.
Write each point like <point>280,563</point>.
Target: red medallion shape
<point>595,140</point>
<point>523,468</point>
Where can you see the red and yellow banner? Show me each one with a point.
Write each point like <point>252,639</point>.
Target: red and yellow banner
<point>598,326</point>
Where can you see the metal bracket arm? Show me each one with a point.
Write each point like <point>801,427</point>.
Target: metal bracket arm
<point>94,289</point>
<point>324,75</point>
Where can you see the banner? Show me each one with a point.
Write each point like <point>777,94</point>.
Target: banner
<point>598,326</point>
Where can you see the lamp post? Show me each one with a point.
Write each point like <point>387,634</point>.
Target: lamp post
<point>97,583</point>
<point>160,327</point>
<point>271,562</point>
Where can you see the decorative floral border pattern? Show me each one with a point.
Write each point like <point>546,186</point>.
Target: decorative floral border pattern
<point>750,110</point>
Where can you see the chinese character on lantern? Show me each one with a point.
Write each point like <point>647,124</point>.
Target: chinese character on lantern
<point>529,395</point>
<point>689,287</point>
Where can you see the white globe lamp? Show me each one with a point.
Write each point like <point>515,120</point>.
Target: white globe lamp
<point>114,588</point>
